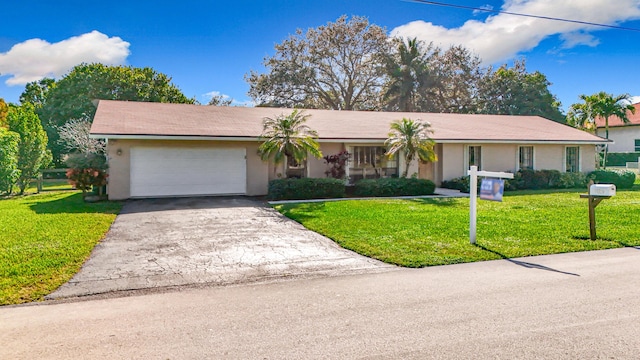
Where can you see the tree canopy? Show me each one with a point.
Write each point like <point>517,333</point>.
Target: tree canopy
<point>409,77</point>
<point>4,110</point>
<point>71,97</point>
<point>335,66</point>
<point>600,105</point>
<point>353,65</point>
<point>513,91</point>
<point>32,146</point>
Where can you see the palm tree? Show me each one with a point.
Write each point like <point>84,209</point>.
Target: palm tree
<point>288,137</point>
<point>601,105</point>
<point>408,73</point>
<point>412,138</point>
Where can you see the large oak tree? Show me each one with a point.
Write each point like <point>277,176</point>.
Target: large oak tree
<point>335,66</point>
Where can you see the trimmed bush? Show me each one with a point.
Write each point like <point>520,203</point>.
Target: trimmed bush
<point>528,179</point>
<point>305,188</point>
<point>460,183</point>
<point>394,187</point>
<point>622,179</point>
<point>535,179</point>
<point>572,180</point>
<point>621,159</point>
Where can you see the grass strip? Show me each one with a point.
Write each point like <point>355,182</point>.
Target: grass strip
<point>45,239</point>
<point>427,232</point>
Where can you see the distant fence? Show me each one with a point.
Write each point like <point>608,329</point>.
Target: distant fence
<point>55,177</point>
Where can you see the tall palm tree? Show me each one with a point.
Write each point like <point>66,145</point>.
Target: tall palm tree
<point>411,138</point>
<point>288,136</point>
<point>408,73</point>
<point>601,105</point>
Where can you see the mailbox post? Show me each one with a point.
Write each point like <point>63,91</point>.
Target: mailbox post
<point>597,193</point>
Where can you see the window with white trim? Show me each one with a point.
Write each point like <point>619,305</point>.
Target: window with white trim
<point>525,157</point>
<point>474,155</point>
<point>637,145</point>
<point>572,159</point>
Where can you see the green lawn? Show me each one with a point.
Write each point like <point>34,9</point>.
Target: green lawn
<point>426,232</point>
<point>44,239</point>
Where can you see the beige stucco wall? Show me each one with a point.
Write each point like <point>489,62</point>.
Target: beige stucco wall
<point>119,164</point>
<point>548,157</point>
<point>504,157</point>
<point>623,137</point>
<point>317,167</point>
<point>499,157</point>
<point>451,161</point>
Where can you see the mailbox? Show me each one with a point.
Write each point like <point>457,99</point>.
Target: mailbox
<point>602,190</point>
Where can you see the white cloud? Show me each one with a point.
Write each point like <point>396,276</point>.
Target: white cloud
<point>635,99</point>
<point>573,39</point>
<point>501,37</point>
<point>485,7</point>
<point>211,94</point>
<point>246,103</point>
<point>34,59</point>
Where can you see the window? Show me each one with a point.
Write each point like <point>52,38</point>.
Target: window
<point>572,159</point>
<point>295,169</point>
<point>637,145</point>
<point>475,156</point>
<point>370,162</point>
<point>525,158</point>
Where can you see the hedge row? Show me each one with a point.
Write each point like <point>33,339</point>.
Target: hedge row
<point>305,188</point>
<point>621,178</point>
<point>394,187</point>
<point>553,179</point>
<point>324,188</point>
<point>621,159</point>
<point>545,179</point>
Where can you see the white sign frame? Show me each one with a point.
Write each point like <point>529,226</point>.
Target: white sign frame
<point>473,195</point>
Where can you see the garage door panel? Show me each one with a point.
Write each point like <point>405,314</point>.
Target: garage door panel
<point>187,171</point>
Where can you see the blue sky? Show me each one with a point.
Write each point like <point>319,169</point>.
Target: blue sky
<point>208,46</point>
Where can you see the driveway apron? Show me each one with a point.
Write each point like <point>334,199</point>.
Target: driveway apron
<point>171,242</point>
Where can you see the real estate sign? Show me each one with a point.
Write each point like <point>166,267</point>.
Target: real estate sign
<point>492,189</point>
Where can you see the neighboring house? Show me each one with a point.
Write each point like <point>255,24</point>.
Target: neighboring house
<point>157,149</point>
<point>625,137</point>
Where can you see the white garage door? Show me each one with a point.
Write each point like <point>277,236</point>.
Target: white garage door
<point>187,171</point>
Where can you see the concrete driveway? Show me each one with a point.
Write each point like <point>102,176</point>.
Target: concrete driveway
<point>172,242</point>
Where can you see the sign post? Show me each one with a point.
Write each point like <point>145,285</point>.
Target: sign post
<point>473,195</point>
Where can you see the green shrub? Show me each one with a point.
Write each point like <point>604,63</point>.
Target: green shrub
<point>9,172</point>
<point>620,178</point>
<point>528,179</point>
<point>305,188</point>
<point>572,180</point>
<point>535,179</point>
<point>460,183</point>
<point>394,187</point>
<point>85,179</point>
<point>621,159</point>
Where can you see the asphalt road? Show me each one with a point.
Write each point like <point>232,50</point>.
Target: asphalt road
<point>569,306</point>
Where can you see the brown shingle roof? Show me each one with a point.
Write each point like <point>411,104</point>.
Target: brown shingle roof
<point>634,119</point>
<point>140,120</point>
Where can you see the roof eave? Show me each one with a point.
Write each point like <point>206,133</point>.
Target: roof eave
<point>341,140</point>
